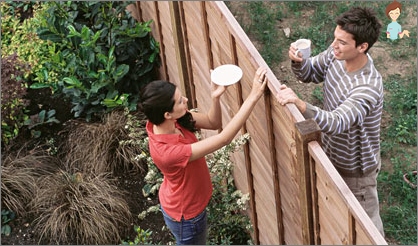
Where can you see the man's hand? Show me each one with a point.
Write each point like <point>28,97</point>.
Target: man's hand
<point>286,95</point>
<point>292,56</point>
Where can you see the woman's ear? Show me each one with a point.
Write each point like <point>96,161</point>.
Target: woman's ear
<point>167,115</point>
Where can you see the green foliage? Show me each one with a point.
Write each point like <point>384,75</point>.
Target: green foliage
<point>153,179</point>
<point>399,208</point>
<point>318,94</point>
<point>19,36</point>
<point>42,118</point>
<point>13,102</point>
<point>6,217</point>
<point>19,8</point>
<point>263,17</point>
<point>143,237</point>
<point>228,225</point>
<point>105,55</point>
<point>138,139</point>
<point>401,103</point>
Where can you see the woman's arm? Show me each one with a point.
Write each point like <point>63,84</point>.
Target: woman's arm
<point>213,119</point>
<point>213,143</point>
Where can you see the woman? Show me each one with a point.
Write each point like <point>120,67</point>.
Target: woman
<point>187,188</point>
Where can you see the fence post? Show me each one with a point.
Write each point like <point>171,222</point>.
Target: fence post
<point>307,131</point>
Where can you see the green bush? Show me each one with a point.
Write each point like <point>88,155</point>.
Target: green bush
<point>104,53</point>
<point>143,237</point>
<point>13,102</point>
<point>19,36</point>
<point>228,223</point>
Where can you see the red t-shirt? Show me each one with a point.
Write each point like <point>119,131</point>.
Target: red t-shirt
<point>187,187</point>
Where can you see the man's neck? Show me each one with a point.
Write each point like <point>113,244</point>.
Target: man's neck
<point>357,63</point>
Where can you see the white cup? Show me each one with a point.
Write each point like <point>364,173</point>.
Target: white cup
<point>304,47</point>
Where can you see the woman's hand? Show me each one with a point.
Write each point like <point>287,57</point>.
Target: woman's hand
<point>259,82</point>
<point>217,90</point>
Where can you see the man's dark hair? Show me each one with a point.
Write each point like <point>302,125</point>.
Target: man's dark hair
<point>362,23</point>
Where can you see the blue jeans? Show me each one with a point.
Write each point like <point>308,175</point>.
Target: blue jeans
<point>192,231</point>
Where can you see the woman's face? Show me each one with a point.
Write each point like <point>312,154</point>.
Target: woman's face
<point>180,105</point>
<point>394,14</point>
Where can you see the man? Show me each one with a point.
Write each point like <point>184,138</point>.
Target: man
<point>353,101</point>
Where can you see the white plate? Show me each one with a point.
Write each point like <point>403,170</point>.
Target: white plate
<point>226,74</point>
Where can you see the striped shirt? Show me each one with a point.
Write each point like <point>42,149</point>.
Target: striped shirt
<point>350,120</point>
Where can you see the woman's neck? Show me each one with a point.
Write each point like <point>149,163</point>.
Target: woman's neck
<point>167,127</point>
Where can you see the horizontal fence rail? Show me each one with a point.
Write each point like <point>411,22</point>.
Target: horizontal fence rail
<point>297,197</point>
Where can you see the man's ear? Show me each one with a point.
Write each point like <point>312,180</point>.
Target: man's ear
<point>363,47</point>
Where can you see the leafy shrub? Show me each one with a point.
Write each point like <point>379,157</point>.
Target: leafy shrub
<point>228,225</point>
<point>74,208</point>
<point>6,217</point>
<point>106,55</point>
<point>21,9</point>
<point>19,23</point>
<point>13,102</point>
<point>42,118</point>
<point>19,36</point>
<point>143,237</point>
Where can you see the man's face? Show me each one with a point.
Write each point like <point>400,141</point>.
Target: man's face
<point>344,45</point>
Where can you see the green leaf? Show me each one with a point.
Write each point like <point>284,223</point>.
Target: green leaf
<point>46,34</point>
<point>6,230</point>
<point>41,116</point>
<point>121,71</point>
<point>73,81</point>
<point>50,113</point>
<point>72,32</point>
<point>39,86</point>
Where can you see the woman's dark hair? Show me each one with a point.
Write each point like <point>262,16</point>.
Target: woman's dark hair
<point>362,23</point>
<point>156,98</point>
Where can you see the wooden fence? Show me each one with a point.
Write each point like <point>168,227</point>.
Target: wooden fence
<point>297,196</point>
